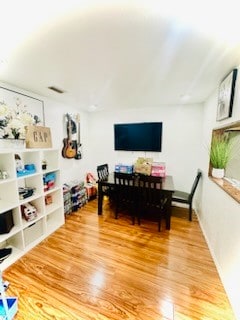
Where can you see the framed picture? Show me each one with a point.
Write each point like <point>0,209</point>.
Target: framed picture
<point>18,110</point>
<point>226,96</point>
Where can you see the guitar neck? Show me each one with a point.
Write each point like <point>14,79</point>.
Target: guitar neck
<point>79,140</point>
<point>69,131</point>
<point>78,122</point>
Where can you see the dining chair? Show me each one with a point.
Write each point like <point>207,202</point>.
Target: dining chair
<point>152,199</point>
<point>125,193</point>
<point>103,173</point>
<point>185,197</point>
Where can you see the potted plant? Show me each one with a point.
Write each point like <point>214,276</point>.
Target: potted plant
<point>220,153</point>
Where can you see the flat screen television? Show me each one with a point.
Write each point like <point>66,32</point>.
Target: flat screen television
<point>144,136</point>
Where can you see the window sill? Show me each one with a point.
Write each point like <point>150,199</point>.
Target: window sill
<point>228,188</point>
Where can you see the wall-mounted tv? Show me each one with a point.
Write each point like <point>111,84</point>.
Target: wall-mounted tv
<point>143,136</point>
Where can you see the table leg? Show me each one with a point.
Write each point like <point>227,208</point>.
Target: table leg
<point>168,211</point>
<point>100,198</point>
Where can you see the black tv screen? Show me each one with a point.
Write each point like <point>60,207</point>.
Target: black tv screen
<point>144,136</point>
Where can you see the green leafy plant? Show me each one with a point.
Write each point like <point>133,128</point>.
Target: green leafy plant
<point>220,152</point>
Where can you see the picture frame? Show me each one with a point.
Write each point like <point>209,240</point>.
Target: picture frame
<point>19,102</point>
<point>34,105</point>
<point>226,96</point>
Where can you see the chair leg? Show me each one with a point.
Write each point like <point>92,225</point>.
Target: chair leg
<point>133,219</point>
<point>159,224</point>
<point>190,212</point>
<point>116,211</point>
<point>139,218</point>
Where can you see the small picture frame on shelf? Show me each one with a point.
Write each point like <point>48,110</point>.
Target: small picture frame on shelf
<point>226,96</point>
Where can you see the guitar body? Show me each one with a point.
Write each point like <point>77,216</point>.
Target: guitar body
<point>69,149</point>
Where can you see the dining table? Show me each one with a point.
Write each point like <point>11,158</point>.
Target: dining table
<point>167,187</point>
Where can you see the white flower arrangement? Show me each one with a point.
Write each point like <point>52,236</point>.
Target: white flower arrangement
<point>14,120</point>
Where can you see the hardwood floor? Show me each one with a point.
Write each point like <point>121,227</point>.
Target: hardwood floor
<point>101,268</point>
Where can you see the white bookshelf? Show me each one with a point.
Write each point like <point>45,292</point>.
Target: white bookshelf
<point>26,234</point>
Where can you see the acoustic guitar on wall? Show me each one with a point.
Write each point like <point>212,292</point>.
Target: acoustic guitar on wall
<point>69,145</point>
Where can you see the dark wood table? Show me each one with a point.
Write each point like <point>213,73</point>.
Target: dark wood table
<point>167,188</point>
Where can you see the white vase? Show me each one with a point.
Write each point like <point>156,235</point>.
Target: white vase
<point>217,173</point>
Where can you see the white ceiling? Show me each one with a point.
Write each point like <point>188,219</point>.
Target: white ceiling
<point>118,54</point>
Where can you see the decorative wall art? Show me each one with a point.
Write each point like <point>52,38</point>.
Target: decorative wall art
<point>38,137</point>
<point>226,96</point>
<point>17,111</point>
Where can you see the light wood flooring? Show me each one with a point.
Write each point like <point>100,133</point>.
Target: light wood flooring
<point>96,267</point>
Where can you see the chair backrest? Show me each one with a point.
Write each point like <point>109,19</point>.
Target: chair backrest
<point>195,184</point>
<point>150,193</point>
<point>102,171</point>
<point>125,186</point>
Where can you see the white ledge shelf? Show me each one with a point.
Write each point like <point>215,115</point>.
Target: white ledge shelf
<point>228,187</point>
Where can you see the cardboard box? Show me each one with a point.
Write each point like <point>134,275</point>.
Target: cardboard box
<point>158,169</point>
<point>143,166</point>
<point>124,168</point>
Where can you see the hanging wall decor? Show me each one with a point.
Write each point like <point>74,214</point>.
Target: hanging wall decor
<point>72,143</point>
<point>38,137</point>
<point>69,149</point>
<point>17,111</point>
<point>226,96</point>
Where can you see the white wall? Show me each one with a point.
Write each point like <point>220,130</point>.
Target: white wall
<point>220,214</point>
<point>182,133</point>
